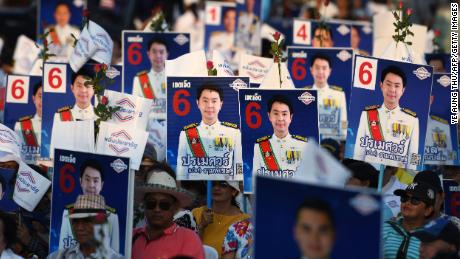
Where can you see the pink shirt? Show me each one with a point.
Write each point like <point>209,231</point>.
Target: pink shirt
<point>175,241</point>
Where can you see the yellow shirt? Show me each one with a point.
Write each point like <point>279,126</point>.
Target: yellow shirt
<point>215,232</point>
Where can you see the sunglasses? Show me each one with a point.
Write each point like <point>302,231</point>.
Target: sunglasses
<point>163,205</point>
<point>413,200</point>
<point>222,184</point>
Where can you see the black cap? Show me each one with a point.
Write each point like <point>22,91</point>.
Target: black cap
<point>420,190</point>
<point>430,178</point>
<point>364,172</point>
<point>332,146</point>
<point>440,229</point>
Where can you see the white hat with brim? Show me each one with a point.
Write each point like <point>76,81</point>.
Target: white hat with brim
<point>235,185</point>
<point>162,182</point>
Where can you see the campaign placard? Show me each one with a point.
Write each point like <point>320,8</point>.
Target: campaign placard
<point>328,70</point>
<point>139,50</point>
<point>361,36</point>
<point>61,19</point>
<point>275,127</point>
<point>441,144</point>
<point>452,200</point>
<point>388,112</point>
<point>220,24</point>
<point>66,98</point>
<point>77,173</point>
<point>204,137</point>
<point>321,34</point>
<point>7,183</point>
<point>439,61</point>
<point>23,112</point>
<point>343,216</point>
<point>248,36</point>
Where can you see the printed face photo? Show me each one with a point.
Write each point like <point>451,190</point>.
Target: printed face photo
<point>209,104</point>
<point>83,94</point>
<point>320,71</point>
<point>230,20</point>
<point>322,38</point>
<point>62,15</point>
<point>157,54</point>
<point>392,89</point>
<point>91,181</point>
<point>280,117</point>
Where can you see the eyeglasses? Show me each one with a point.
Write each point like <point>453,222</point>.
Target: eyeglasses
<point>413,200</point>
<point>222,184</point>
<point>164,205</point>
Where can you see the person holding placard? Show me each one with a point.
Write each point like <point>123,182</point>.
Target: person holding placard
<point>83,93</point>
<point>210,147</point>
<point>389,124</point>
<point>332,104</point>
<point>29,127</point>
<point>278,154</point>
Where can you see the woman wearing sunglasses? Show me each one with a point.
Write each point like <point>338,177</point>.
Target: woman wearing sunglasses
<point>213,223</point>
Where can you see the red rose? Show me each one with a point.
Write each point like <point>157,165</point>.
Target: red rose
<point>45,42</point>
<point>400,4</point>
<point>100,217</point>
<point>104,100</point>
<point>104,67</point>
<point>97,68</point>
<point>409,12</point>
<point>276,36</point>
<point>326,3</point>
<point>437,33</point>
<point>209,65</point>
<point>85,13</point>
<point>276,59</point>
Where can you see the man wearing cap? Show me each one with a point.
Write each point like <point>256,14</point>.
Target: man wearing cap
<point>162,238</point>
<point>29,127</point>
<point>152,85</point>
<point>332,104</point>
<point>388,133</point>
<point>89,220</point>
<point>278,154</point>
<point>417,207</point>
<point>211,147</point>
<point>431,178</point>
<point>91,182</point>
<point>440,239</point>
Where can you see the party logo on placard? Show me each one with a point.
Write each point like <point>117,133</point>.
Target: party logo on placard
<point>118,165</point>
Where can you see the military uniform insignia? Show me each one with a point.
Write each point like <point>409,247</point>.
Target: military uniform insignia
<point>308,87</point>
<point>292,156</point>
<point>337,88</point>
<point>29,117</point>
<point>65,108</point>
<point>263,138</point>
<point>372,107</point>
<point>65,113</point>
<point>304,139</point>
<point>229,124</point>
<point>193,125</point>
<point>411,113</point>
<point>439,119</point>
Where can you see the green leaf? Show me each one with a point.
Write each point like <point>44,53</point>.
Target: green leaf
<point>282,42</point>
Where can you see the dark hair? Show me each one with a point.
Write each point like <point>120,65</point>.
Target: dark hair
<point>61,3</point>
<point>84,71</point>
<point>322,28</point>
<point>364,172</point>
<point>321,56</point>
<point>235,203</point>
<point>228,10</point>
<point>3,183</point>
<point>318,205</point>
<point>436,57</point>
<point>280,99</point>
<point>37,86</point>
<point>9,228</point>
<point>93,164</point>
<point>394,70</point>
<point>210,87</point>
<point>157,41</point>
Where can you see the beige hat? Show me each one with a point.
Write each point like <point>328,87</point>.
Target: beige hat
<point>162,182</point>
<point>88,205</point>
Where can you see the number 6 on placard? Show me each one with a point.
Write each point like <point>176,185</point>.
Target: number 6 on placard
<point>365,73</point>
<point>17,90</point>
<point>54,78</point>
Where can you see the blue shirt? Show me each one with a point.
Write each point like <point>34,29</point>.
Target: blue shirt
<point>394,235</point>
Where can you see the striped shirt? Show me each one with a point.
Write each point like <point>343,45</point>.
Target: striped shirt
<point>393,237</point>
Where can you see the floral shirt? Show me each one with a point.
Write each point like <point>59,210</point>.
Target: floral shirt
<point>239,239</point>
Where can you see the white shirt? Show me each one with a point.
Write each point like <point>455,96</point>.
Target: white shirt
<point>9,254</point>
<point>332,112</point>
<point>287,152</point>
<point>75,253</point>
<point>222,145</point>
<point>158,82</point>
<point>438,142</point>
<point>400,132</point>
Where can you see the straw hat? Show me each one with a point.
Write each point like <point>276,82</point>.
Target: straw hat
<point>88,205</point>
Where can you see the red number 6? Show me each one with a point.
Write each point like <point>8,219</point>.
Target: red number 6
<point>134,55</point>
<point>363,72</point>
<point>18,85</point>
<point>178,101</point>
<point>55,81</point>
<point>66,180</point>
<point>252,111</point>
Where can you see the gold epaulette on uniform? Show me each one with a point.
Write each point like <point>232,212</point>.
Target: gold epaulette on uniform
<point>229,124</point>
<point>142,72</point>
<point>436,118</point>
<point>69,206</point>
<point>411,113</point>
<point>304,139</point>
<point>337,88</point>
<point>65,108</point>
<point>263,138</point>
<point>372,107</point>
<point>308,87</point>
<point>193,125</point>
<point>110,209</point>
<point>28,117</point>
